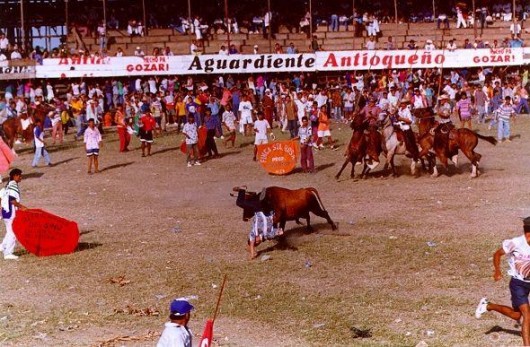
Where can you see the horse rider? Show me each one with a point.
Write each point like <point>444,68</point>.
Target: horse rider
<point>443,110</point>
<point>371,112</point>
<point>418,100</point>
<point>404,121</point>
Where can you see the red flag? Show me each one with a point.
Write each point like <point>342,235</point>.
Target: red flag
<point>207,334</point>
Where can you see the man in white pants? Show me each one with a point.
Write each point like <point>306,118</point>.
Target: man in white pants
<point>10,203</point>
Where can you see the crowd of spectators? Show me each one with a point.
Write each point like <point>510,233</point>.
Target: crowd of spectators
<point>267,23</point>
<point>171,99</point>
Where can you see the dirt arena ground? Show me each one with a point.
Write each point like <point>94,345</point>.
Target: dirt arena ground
<point>410,261</point>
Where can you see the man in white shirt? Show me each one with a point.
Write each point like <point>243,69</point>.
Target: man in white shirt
<point>261,128</point>
<point>15,55</point>
<point>176,332</point>
<point>4,43</point>
<point>321,98</point>
<point>518,252</point>
<point>515,29</point>
<point>245,114</point>
<point>404,118</point>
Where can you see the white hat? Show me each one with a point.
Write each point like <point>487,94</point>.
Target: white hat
<point>267,90</point>
<point>429,41</point>
<point>255,46</point>
<point>138,48</point>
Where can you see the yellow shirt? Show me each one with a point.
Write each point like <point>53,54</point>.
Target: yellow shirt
<point>180,107</point>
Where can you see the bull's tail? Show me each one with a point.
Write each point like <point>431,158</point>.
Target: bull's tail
<point>489,139</point>
<point>315,193</point>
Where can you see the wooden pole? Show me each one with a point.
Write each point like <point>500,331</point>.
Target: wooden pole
<point>22,26</point>
<point>270,27</point>
<point>474,19</point>
<point>396,12</point>
<point>227,26</point>
<point>219,299</point>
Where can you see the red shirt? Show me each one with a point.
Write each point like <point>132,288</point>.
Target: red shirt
<point>148,123</point>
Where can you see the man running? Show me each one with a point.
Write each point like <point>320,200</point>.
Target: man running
<point>518,252</point>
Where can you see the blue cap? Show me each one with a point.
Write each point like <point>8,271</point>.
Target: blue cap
<point>180,307</point>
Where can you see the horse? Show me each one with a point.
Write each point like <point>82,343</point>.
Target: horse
<point>363,148</point>
<point>446,142</point>
<point>23,125</point>
<point>14,127</point>
<point>392,146</point>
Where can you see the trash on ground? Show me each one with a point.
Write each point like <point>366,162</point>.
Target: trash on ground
<point>360,333</point>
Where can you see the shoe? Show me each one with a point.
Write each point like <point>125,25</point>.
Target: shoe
<point>197,163</point>
<point>189,165</point>
<point>481,308</point>
<point>50,164</point>
<point>10,257</point>
<point>321,146</point>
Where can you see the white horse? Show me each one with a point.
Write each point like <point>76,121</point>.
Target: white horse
<point>392,146</point>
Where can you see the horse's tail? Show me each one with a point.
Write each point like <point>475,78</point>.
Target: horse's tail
<point>317,196</point>
<point>490,139</point>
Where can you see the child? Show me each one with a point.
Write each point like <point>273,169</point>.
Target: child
<point>229,121</point>
<point>147,125</point>
<point>260,129</point>
<point>92,138</point>
<point>323,128</point>
<point>306,147</point>
<point>192,139</point>
<point>313,117</point>
<point>504,113</point>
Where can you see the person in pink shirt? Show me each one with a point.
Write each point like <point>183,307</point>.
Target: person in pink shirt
<point>463,107</point>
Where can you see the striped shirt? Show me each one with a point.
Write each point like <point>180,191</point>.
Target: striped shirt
<point>505,112</point>
<point>464,106</point>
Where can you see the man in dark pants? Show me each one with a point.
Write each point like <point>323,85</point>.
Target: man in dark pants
<point>518,251</point>
<point>211,124</point>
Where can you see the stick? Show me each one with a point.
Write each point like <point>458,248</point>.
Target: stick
<point>219,299</point>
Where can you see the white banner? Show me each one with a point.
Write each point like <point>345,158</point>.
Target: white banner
<point>415,59</point>
<point>311,62</point>
<point>174,65</point>
<point>16,70</point>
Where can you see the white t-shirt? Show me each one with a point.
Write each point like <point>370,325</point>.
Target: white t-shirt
<point>321,99</point>
<point>518,252</point>
<point>245,107</point>
<point>261,126</point>
<point>174,335</point>
<point>230,120</point>
<point>349,99</point>
<point>301,108</point>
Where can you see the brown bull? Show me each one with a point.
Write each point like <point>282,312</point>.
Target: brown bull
<point>286,204</point>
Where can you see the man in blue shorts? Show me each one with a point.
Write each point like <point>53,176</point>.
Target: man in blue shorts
<point>518,251</point>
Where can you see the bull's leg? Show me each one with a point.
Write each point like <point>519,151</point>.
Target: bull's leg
<point>309,227</point>
<point>324,214</point>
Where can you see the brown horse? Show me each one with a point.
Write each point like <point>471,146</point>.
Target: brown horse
<point>14,127</point>
<point>363,147</point>
<point>22,126</point>
<point>445,140</point>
